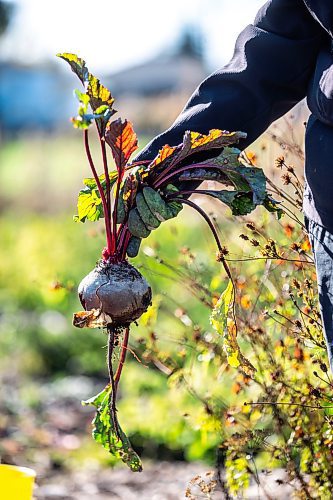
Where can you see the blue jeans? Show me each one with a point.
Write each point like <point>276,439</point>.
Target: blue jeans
<point>322,246</point>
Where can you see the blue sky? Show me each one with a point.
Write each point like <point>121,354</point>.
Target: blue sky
<point>111,34</point>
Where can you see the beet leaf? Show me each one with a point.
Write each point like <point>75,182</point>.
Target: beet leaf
<point>194,142</point>
<point>223,322</point>
<point>108,432</point>
<point>100,98</point>
<point>122,140</point>
<point>89,203</point>
<point>91,183</point>
<point>77,65</point>
<point>241,203</point>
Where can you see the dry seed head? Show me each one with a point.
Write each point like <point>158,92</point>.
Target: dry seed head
<point>279,162</point>
<point>255,243</point>
<point>296,247</point>
<point>286,179</point>
<point>296,283</point>
<point>221,254</point>
<point>251,226</point>
<point>307,284</point>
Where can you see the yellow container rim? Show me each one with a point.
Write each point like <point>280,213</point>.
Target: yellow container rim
<point>24,470</point>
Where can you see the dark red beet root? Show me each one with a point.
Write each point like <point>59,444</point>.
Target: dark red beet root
<point>118,290</point>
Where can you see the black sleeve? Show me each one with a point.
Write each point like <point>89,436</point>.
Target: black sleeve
<point>273,61</point>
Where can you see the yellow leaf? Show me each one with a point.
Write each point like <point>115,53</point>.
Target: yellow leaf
<point>233,360</point>
<point>218,318</point>
<point>223,322</point>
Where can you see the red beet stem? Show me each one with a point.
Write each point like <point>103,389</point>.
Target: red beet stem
<point>106,173</point>
<point>102,195</point>
<point>120,239</point>
<point>122,359</point>
<point>115,209</point>
<point>125,244</point>
<point>211,227</point>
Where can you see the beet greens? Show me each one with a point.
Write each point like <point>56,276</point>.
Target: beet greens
<point>133,199</point>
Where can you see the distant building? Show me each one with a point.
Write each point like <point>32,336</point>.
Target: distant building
<point>33,97</point>
<point>168,73</point>
<point>40,97</point>
<point>163,74</point>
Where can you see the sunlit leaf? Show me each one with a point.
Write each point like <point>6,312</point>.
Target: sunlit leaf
<point>220,313</point>
<point>223,323</point>
<point>194,142</point>
<point>123,141</point>
<point>82,120</point>
<point>89,201</point>
<point>128,192</point>
<point>328,409</point>
<point>100,98</point>
<point>164,154</point>
<point>107,431</point>
<point>77,65</point>
<point>89,205</point>
<point>91,183</point>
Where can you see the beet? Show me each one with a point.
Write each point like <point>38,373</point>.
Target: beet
<point>118,290</point>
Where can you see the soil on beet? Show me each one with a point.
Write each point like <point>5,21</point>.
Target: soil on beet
<point>118,290</point>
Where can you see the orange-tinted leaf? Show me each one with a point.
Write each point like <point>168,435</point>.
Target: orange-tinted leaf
<point>163,154</point>
<point>194,142</point>
<point>122,140</point>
